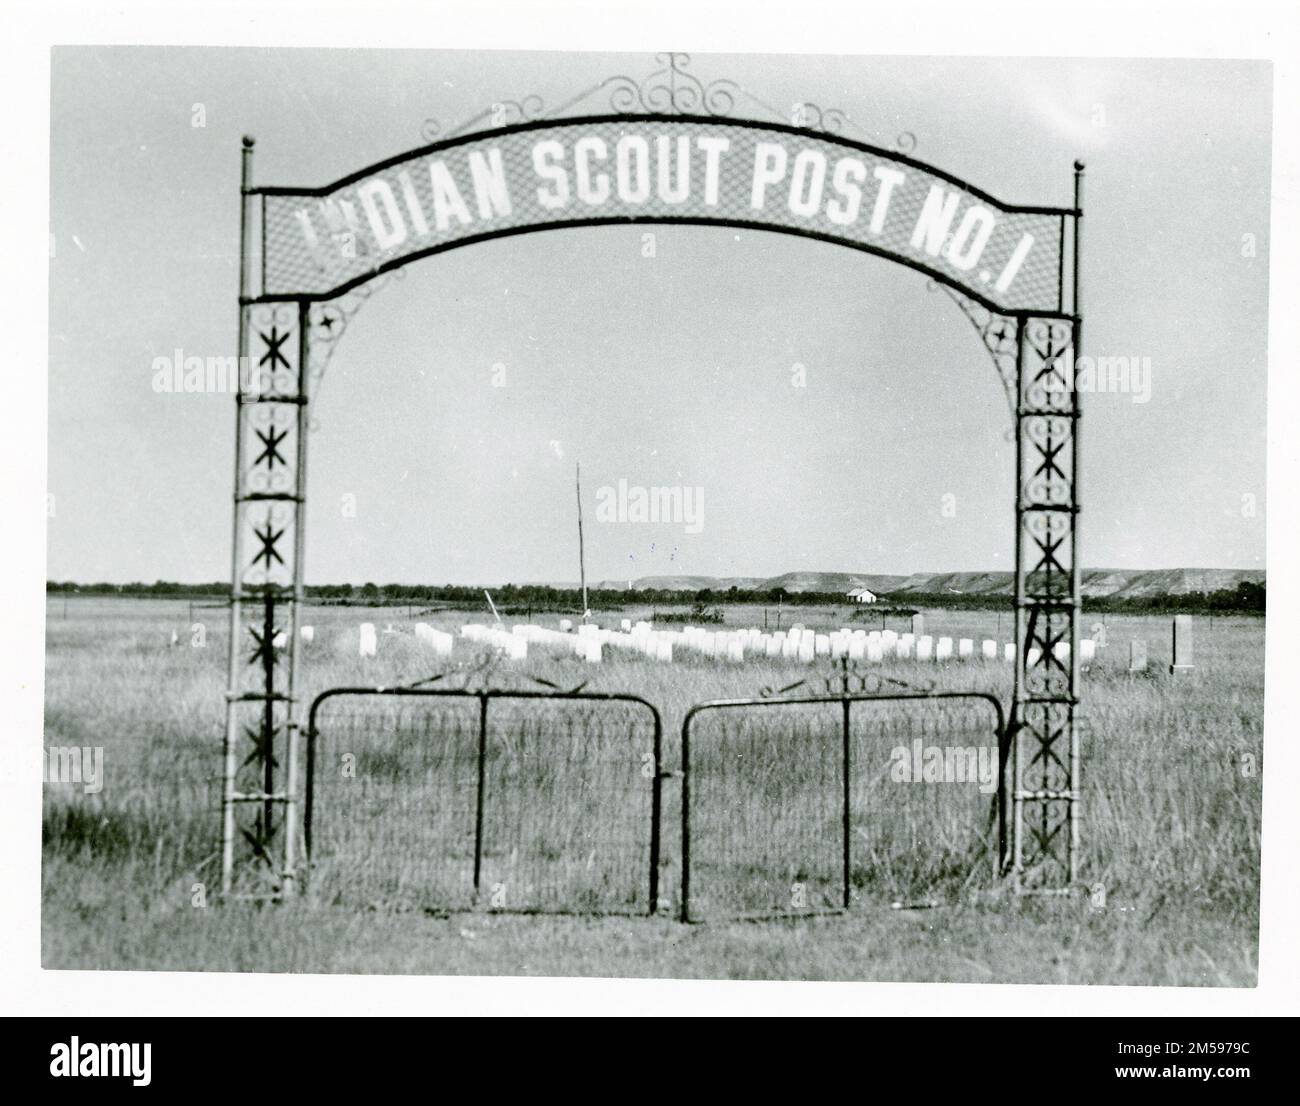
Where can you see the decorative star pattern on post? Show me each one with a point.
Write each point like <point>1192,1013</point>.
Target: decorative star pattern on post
<point>274,354</point>
<point>271,439</point>
<point>268,536</point>
<point>265,652</point>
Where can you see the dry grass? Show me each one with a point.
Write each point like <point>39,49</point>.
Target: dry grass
<point>1171,825</point>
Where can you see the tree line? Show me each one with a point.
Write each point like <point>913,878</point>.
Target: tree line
<point>1246,597</point>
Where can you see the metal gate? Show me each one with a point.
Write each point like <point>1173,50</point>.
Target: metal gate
<point>797,805</point>
<point>456,799</point>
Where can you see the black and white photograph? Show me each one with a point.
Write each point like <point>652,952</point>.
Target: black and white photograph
<point>608,512</point>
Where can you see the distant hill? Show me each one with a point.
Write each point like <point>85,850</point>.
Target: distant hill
<point>834,581</point>
<point>686,583</point>
<point>1097,582</point>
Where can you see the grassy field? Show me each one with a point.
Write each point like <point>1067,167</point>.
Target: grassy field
<point>1171,828</point>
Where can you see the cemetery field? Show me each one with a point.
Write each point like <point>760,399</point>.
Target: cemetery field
<point>1172,771</point>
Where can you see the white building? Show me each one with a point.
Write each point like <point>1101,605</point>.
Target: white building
<point>862,595</point>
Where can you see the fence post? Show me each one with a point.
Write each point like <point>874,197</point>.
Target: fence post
<point>847,705</point>
<point>686,816</point>
<point>1182,645</point>
<point>309,790</point>
<point>656,801</point>
<point>478,800</point>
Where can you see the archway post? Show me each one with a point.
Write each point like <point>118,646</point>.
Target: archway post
<point>1048,597</point>
<point>259,790</point>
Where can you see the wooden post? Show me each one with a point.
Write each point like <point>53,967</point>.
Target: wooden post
<point>1183,660</point>
<point>582,563</point>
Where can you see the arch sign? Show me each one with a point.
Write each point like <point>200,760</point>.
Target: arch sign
<point>311,256</point>
<point>659,169</point>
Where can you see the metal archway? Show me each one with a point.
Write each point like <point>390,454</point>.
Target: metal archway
<point>311,256</point>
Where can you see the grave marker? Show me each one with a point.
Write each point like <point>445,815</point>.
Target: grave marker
<point>1137,655</point>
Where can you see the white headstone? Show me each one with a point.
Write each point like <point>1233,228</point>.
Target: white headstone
<point>308,633</point>
<point>924,647</point>
<point>989,648</point>
<point>943,649</point>
<point>965,647</point>
<point>369,643</point>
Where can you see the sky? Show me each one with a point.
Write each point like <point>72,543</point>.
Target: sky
<point>454,410</point>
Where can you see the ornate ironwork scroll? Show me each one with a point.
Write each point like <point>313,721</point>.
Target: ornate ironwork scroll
<point>671,89</point>
<point>998,334</point>
<point>847,677</point>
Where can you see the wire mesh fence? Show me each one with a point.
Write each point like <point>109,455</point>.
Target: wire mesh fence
<point>452,800</point>
<point>795,806</point>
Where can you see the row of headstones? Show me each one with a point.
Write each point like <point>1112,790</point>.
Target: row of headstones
<point>514,646</point>
<point>590,640</point>
<point>799,643</point>
<point>368,640</point>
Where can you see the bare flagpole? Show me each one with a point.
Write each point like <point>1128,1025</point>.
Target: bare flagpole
<point>582,564</point>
